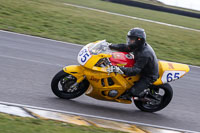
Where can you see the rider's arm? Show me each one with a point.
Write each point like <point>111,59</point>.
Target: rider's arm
<point>120,47</point>
<point>137,68</point>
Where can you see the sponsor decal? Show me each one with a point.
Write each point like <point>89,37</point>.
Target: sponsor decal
<point>170,66</point>
<point>121,64</point>
<point>94,79</point>
<point>128,56</point>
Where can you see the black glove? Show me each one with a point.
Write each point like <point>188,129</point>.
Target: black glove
<point>111,46</point>
<point>123,70</point>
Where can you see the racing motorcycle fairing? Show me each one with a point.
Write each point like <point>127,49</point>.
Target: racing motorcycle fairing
<point>76,70</point>
<point>94,60</point>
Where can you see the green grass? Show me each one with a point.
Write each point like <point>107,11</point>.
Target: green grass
<point>139,12</point>
<point>14,124</point>
<point>53,19</point>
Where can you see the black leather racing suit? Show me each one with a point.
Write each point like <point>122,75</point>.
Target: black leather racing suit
<point>146,64</point>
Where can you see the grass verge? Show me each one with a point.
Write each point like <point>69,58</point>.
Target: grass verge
<point>139,12</point>
<point>53,19</point>
<point>14,124</point>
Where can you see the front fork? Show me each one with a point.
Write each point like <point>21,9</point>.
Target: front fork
<point>78,81</point>
<point>77,72</point>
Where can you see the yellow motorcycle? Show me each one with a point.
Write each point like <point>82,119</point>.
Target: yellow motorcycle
<point>93,78</point>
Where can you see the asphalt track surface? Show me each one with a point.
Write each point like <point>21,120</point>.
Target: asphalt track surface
<point>29,63</point>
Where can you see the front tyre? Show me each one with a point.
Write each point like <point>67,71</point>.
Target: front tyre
<point>61,86</point>
<point>161,95</point>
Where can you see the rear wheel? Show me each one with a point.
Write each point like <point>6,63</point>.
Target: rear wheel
<point>158,98</point>
<point>62,86</point>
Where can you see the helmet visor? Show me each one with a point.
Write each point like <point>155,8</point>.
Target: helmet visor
<point>130,40</point>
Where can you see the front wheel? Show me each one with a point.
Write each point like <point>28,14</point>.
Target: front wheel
<point>61,86</point>
<point>159,97</point>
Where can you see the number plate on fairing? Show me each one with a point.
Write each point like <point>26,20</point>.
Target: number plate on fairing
<point>83,56</point>
<point>169,76</point>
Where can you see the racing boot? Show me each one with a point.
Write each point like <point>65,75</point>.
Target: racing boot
<point>126,96</point>
<point>138,94</point>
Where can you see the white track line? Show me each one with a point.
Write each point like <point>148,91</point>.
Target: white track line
<point>68,43</point>
<point>142,19</point>
<point>100,117</point>
<point>36,37</point>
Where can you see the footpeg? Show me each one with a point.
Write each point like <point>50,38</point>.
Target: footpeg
<point>141,99</point>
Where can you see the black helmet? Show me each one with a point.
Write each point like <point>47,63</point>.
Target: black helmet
<point>136,37</point>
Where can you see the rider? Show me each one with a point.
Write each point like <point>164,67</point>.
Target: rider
<point>146,62</point>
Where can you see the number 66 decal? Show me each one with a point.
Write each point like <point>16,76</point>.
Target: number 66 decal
<point>169,76</point>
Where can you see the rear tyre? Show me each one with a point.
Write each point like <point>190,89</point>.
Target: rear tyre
<point>62,82</point>
<point>163,92</point>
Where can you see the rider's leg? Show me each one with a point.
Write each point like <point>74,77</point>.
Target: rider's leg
<point>138,88</point>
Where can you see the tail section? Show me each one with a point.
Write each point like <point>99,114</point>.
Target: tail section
<point>170,71</point>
